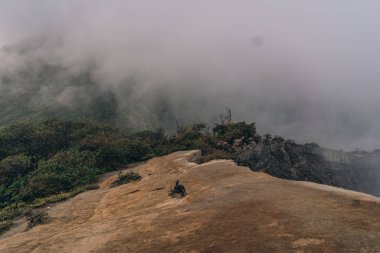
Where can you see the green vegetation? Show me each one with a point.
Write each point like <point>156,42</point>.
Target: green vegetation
<point>42,159</point>
<point>4,226</point>
<point>46,161</point>
<point>43,162</point>
<point>125,178</point>
<point>8,213</point>
<point>35,217</point>
<point>62,196</point>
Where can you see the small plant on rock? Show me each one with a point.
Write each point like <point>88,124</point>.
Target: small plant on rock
<point>35,217</point>
<point>125,178</point>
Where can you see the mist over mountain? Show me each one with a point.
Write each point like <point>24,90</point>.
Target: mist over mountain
<point>304,70</point>
<point>189,126</point>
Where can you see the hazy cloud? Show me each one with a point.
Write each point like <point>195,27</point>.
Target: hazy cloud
<point>307,70</point>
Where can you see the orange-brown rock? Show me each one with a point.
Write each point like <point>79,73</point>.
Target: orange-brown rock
<point>228,209</point>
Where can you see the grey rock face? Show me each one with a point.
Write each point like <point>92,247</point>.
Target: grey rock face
<point>281,158</point>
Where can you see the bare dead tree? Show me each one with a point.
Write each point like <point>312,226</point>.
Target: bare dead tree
<point>229,115</point>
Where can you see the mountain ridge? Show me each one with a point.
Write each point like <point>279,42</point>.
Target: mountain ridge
<point>228,208</point>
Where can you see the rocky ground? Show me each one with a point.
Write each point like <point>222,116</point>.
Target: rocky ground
<point>227,209</point>
<point>357,170</point>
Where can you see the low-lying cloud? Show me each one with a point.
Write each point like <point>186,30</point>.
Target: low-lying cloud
<point>307,70</point>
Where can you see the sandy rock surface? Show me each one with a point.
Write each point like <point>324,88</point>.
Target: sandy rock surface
<point>228,209</point>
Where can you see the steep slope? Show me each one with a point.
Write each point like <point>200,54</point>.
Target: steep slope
<point>356,170</point>
<point>228,209</point>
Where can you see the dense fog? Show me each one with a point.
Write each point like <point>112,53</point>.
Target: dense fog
<point>306,70</point>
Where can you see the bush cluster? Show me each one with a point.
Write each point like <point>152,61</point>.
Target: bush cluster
<point>35,217</point>
<point>125,178</point>
<point>40,159</point>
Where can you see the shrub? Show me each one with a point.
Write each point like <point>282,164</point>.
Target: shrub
<point>63,172</point>
<point>136,151</point>
<point>35,217</point>
<point>10,192</point>
<point>11,211</point>
<point>12,166</point>
<point>125,178</point>
<point>234,131</point>
<point>110,157</point>
<point>5,226</point>
<point>62,196</point>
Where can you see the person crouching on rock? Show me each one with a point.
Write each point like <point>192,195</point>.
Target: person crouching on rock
<point>178,190</point>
